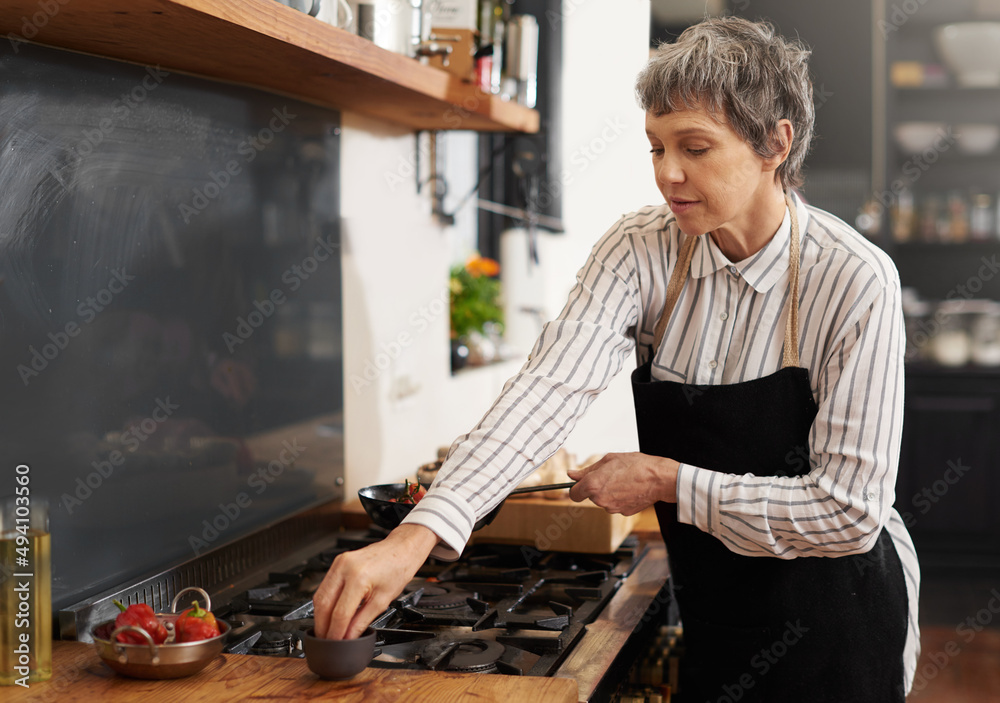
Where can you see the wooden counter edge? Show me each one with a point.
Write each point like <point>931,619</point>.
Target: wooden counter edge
<point>628,612</point>
<point>80,675</point>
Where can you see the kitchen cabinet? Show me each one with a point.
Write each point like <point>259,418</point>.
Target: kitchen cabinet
<point>950,271</point>
<point>265,44</point>
<point>838,169</point>
<point>948,479</point>
<point>936,201</point>
<point>939,197</point>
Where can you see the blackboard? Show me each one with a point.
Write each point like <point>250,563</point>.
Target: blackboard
<point>170,287</point>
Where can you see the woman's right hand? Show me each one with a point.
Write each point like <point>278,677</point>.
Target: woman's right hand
<point>362,583</point>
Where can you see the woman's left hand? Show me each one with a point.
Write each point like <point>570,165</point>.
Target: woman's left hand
<point>626,483</point>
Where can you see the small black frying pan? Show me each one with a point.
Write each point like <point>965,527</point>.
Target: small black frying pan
<point>386,513</point>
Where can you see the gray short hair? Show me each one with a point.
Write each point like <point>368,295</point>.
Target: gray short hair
<point>743,70</point>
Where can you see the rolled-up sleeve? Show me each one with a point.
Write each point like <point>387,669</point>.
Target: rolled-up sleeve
<point>573,360</point>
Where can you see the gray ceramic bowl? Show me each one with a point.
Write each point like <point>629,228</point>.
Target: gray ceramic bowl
<point>338,659</point>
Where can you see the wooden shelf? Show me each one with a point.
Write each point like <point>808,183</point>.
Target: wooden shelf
<point>969,248</point>
<point>267,45</point>
<point>924,369</point>
<point>951,90</point>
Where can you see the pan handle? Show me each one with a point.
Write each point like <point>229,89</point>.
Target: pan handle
<point>119,647</point>
<point>202,591</point>
<point>537,489</point>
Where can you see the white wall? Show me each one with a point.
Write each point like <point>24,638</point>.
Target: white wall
<point>401,402</point>
<point>608,173</point>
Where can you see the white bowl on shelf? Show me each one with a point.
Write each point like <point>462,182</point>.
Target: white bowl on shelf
<point>972,138</point>
<point>972,51</point>
<point>918,137</point>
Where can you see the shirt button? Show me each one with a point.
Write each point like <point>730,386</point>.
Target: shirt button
<point>870,496</point>
<point>724,316</point>
<point>732,270</point>
<point>712,364</point>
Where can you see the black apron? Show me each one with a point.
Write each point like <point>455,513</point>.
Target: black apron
<point>803,630</point>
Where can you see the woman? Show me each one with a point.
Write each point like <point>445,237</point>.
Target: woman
<point>768,399</point>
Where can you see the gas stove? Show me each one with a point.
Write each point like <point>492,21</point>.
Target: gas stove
<point>511,610</point>
<point>498,609</point>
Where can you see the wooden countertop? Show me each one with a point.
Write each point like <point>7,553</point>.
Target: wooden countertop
<point>625,615</point>
<point>648,527</point>
<point>80,675</point>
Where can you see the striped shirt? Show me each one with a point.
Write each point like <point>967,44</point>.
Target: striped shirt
<point>727,326</point>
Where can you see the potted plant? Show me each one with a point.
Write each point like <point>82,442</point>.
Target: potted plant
<point>476,311</point>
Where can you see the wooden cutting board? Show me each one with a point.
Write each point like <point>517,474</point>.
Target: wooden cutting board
<point>557,524</point>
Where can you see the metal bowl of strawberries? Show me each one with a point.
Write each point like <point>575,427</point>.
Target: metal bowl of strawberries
<point>143,644</point>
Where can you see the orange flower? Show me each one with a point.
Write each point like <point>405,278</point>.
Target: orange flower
<point>482,266</point>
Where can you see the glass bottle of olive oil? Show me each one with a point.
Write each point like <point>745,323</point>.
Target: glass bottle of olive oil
<point>25,591</point>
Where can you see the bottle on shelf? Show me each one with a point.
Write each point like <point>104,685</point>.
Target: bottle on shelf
<point>930,213</point>
<point>491,25</point>
<point>958,218</point>
<point>981,226</point>
<point>996,217</point>
<point>903,216</point>
<point>522,58</point>
<point>916,313</point>
<point>484,52</point>
<point>986,335</point>
<point>953,218</point>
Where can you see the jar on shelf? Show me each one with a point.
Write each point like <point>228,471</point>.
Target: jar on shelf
<point>985,335</point>
<point>903,216</point>
<point>952,344</point>
<point>930,214</point>
<point>868,221</point>
<point>981,225</point>
<point>996,217</point>
<point>958,218</point>
<point>916,316</point>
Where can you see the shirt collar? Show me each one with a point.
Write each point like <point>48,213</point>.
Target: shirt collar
<point>762,270</point>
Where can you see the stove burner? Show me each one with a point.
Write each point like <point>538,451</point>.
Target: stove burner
<point>440,596</point>
<point>486,613</point>
<point>273,644</point>
<point>468,656</point>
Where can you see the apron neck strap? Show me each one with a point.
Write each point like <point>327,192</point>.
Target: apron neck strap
<point>790,355</point>
<point>677,280</point>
